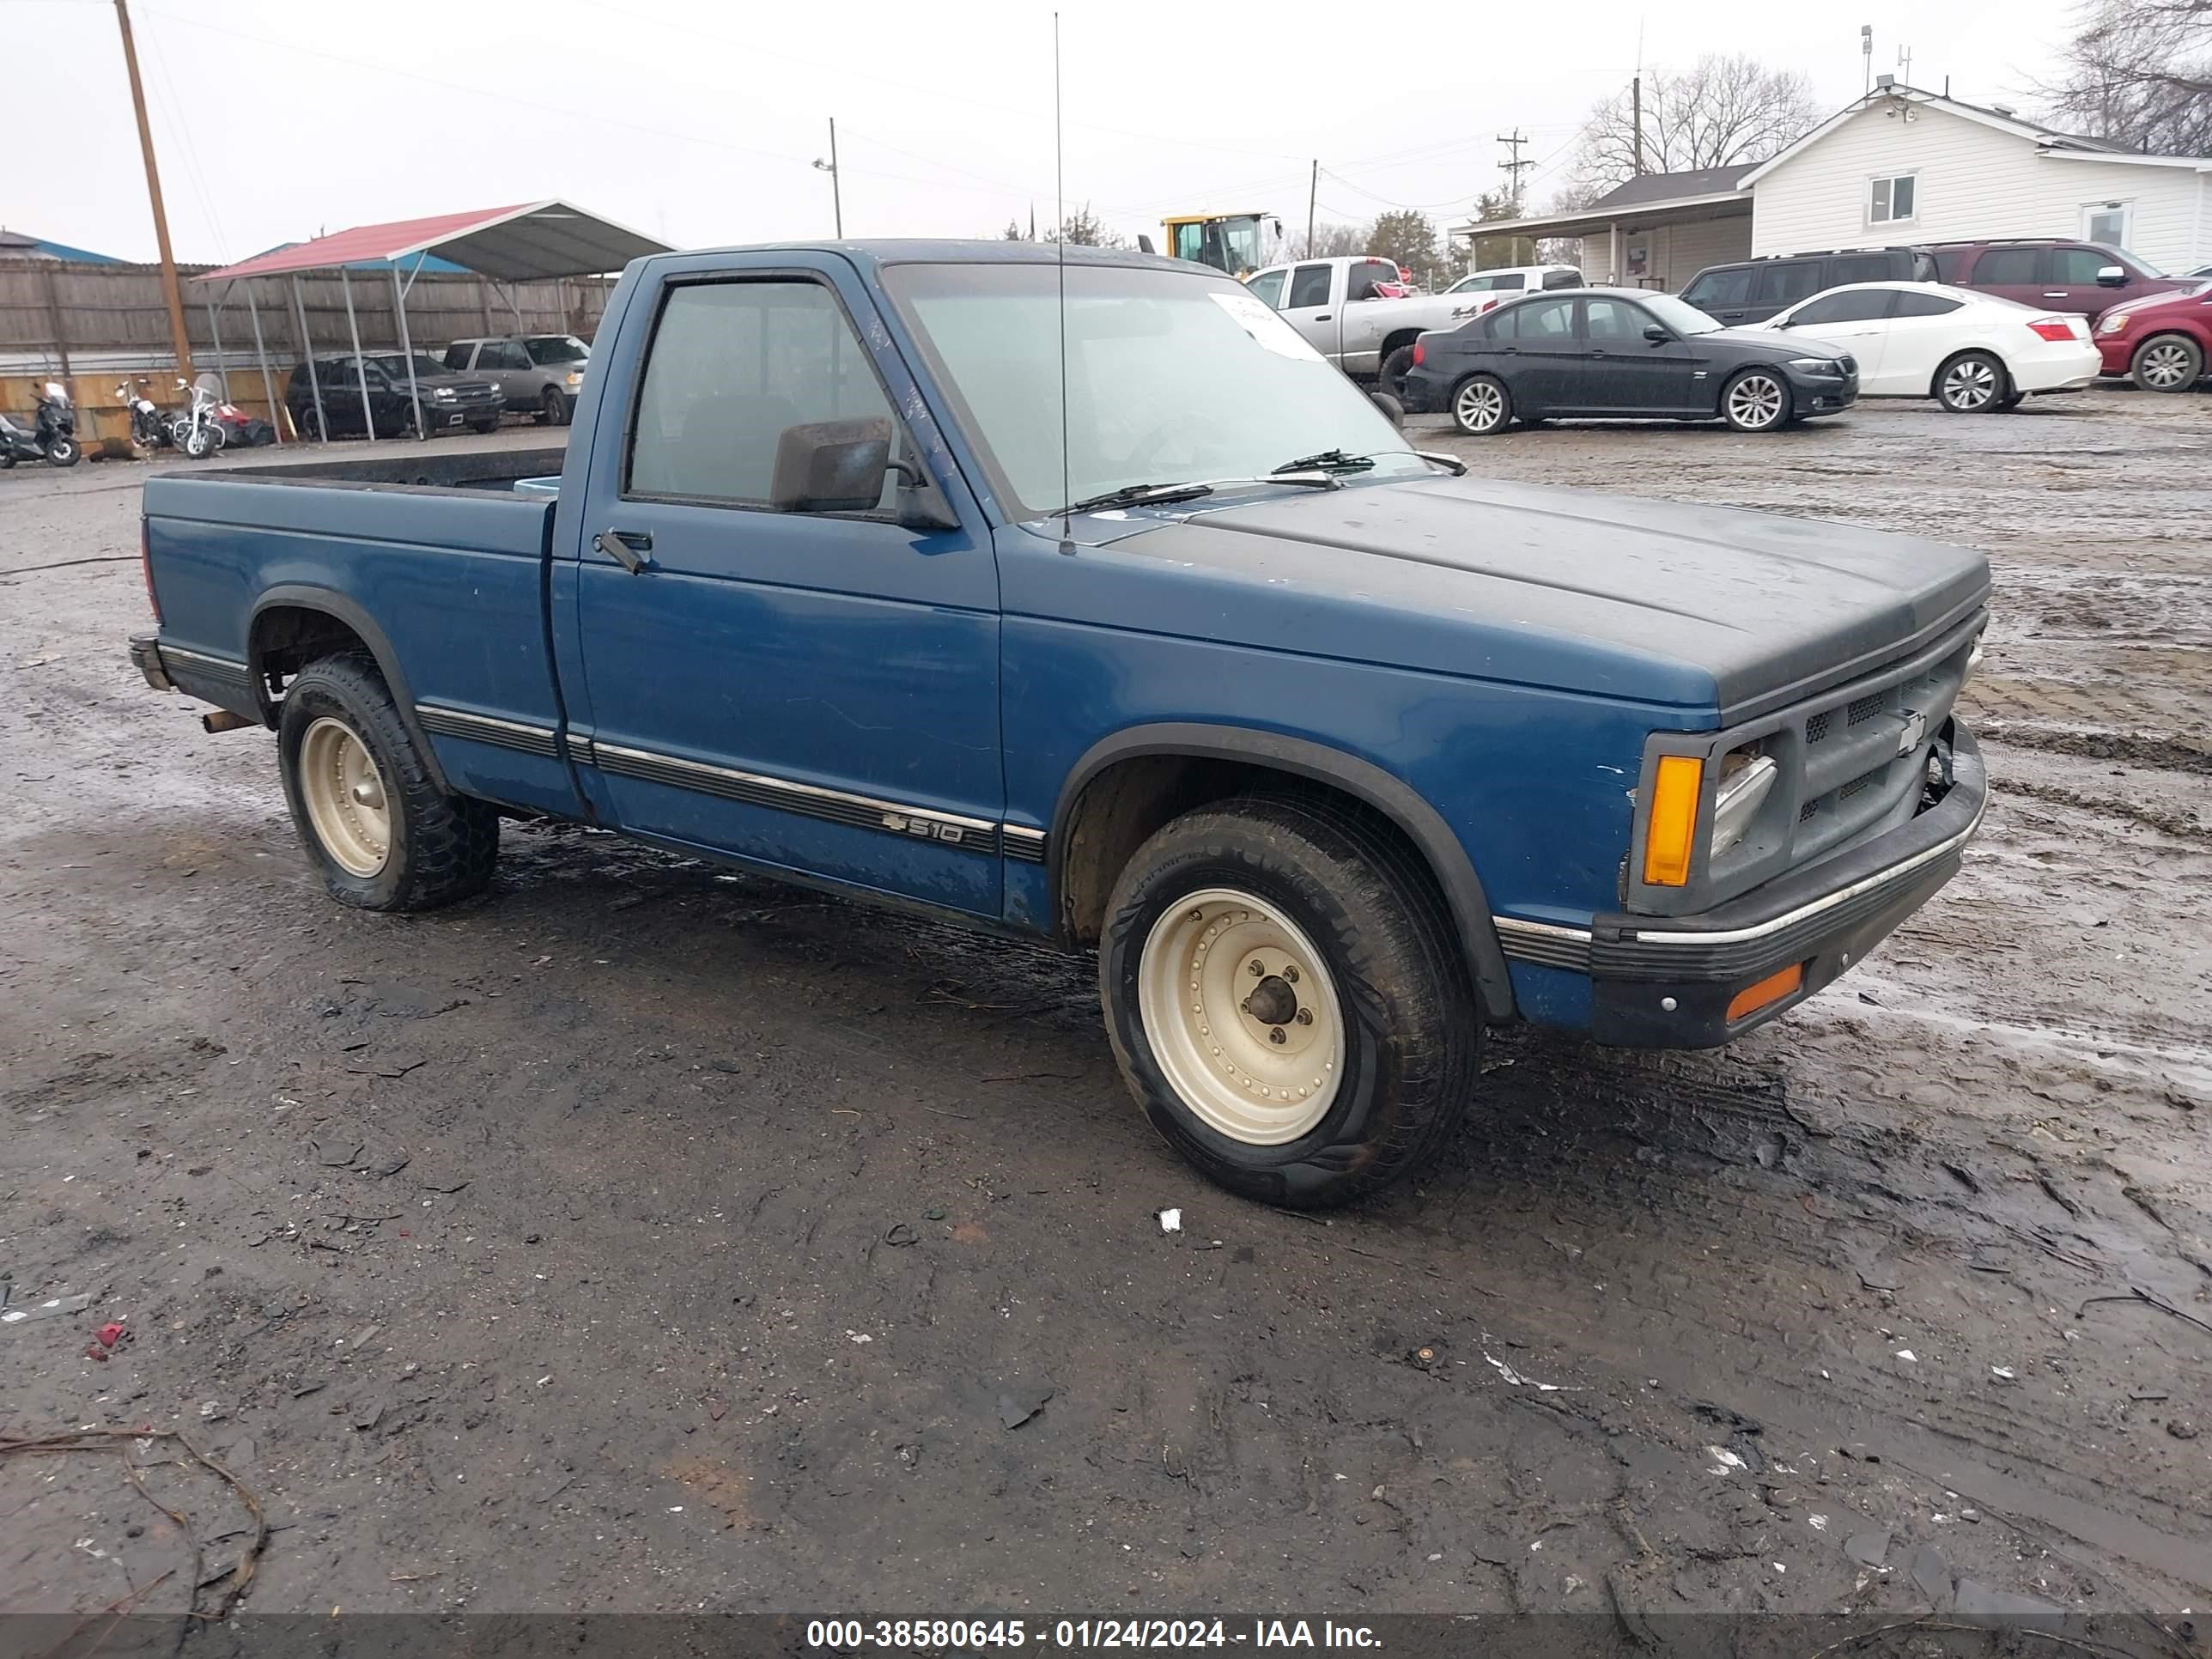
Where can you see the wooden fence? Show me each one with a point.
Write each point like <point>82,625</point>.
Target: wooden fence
<point>56,317</point>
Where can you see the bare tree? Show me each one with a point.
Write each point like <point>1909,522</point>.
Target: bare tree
<point>2139,72</point>
<point>1288,242</point>
<point>1724,109</point>
<point>1085,228</point>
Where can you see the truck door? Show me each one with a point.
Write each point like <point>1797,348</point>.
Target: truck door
<point>812,690</point>
<point>1315,311</point>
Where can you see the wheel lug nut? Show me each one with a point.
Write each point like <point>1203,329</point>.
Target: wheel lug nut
<point>1276,1035</point>
<point>1245,1005</point>
<point>1305,1016</point>
<point>1257,968</point>
<point>1290,976</point>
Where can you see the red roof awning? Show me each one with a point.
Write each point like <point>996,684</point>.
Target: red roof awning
<point>531,240</point>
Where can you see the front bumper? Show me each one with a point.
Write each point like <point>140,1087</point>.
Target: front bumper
<point>1821,394</point>
<point>1668,982</point>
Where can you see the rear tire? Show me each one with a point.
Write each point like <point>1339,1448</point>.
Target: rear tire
<point>1395,367</point>
<point>1481,406</point>
<point>373,821</point>
<point>1364,1055</point>
<point>1971,383</point>
<point>2168,362</point>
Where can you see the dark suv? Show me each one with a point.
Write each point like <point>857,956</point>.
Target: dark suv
<point>1749,291</point>
<point>2052,274</point>
<point>448,400</point>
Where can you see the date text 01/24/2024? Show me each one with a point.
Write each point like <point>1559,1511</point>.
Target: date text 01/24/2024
<point>935,1635</point>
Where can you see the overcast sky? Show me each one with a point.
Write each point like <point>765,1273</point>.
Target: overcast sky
<point>697,121</point>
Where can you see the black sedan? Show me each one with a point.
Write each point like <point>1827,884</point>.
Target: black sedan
<point>1622,354</point>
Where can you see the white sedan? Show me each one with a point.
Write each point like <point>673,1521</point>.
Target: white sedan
<point>1971,352</point>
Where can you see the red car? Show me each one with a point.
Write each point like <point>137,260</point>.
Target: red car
<point>2161,342</point>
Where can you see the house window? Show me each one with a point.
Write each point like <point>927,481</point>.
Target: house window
<point>1892,198</point>
<point>2106,223</point>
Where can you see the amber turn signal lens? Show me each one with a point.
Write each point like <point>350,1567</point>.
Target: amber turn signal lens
<point>1672,829</point>
<point>1772,989</point>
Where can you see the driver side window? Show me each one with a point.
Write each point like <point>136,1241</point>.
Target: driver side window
<point>1267,287</point>
<point>732,367</point>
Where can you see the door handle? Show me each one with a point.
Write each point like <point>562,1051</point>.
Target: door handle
<point>625,547</point>
<point>2062,294</point>
<point>1323,318</point>
<point>1595,353</point>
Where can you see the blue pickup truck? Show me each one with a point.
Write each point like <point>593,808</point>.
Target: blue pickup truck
<point>1090,604</point>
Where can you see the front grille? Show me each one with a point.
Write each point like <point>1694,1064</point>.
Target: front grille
<point>1849,763</point>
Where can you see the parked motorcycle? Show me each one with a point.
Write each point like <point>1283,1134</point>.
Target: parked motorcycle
<point>149,427</point>
<point>198,431</point>
<point>51,436</point>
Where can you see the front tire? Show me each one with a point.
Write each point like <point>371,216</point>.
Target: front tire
<point>1757,400</point>
<point>2168,362</point>
<point>554,410</point>
<point>373,822</point>
<point>1971,383</point>
<point>63,452</point>
<point>1285,1001</point>
<point>1481,406</point>
<point>196,443</point>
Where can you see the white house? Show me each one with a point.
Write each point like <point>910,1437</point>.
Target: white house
<point>1897,167</point>
<point>1903,166</point>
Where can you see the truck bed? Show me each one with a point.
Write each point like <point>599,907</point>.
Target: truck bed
<point>432,559</point>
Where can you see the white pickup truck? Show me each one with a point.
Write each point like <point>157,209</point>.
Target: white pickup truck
<point>1333,302</point>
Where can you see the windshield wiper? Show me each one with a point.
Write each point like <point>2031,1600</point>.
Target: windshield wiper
<point>1139,495</point>
<point>1328,460</point>
<point>1152,495</point>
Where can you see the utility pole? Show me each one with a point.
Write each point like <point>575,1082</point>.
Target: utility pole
<point>1513,165</point>
<point>171,295</point>
<point>829,166</point>
<point>1313,192</point>
<point>1636,105</point>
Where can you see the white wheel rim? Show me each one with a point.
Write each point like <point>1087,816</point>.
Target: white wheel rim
<point>1480,404</point>
<point>345,797</point>
<point>1970,384</point>
<point>1755,400</point>
<point>2164,366</point>
<point>1263,1076</point>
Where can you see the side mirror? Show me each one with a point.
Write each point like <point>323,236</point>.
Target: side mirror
<point>1145,245</point>
<point>2113,277</point>
<point>1657,333</point>
<point>830,466</point>
<point>838,466</point>
<point>1783,322</point>
<point>1393,410</point>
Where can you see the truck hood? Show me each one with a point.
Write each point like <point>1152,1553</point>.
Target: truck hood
<point>1602,594</point>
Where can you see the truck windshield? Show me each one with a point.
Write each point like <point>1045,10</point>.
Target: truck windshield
<point>1170,376</point>
<point>548,348</point>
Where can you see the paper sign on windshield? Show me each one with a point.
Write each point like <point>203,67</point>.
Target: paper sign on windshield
<point>1253,316</point>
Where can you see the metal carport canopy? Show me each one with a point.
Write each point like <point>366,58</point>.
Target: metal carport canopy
<point>531,241</point>
<point>536,239</point>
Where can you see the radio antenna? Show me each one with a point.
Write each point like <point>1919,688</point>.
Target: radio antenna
<point>1059,202</point>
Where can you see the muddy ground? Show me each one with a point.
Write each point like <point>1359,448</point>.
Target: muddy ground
<point>640,1237</point>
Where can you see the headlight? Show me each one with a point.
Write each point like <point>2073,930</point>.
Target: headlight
<point>1747,780</point>
<point>1973,660</point>
<point>576,377</point>
<point>1816,365</point>
<point>444,394</point>
<point>2113,323</point>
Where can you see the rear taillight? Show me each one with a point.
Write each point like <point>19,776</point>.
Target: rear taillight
<point>2052,328</point>
<point>1420,354</point>
<point>146,570</point>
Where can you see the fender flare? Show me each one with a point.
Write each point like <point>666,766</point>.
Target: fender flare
<point>1391,796</point>
<point>301,596</point>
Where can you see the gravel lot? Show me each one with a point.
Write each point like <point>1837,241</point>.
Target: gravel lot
<point>645,1237</point>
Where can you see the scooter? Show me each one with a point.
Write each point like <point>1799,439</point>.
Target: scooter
<point>51,436</point>
<point>149,430</point>
<point>196,431</point>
